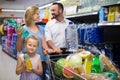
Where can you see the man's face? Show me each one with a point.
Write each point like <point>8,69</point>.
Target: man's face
<point>55,11</point>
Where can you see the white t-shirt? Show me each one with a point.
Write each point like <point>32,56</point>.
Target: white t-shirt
<point>55,31</point>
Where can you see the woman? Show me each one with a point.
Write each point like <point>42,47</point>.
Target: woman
<point>31,17</point>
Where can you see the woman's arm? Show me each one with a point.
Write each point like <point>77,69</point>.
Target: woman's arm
<point>19,43</point>
<point>38,71</point>
<point>19,66</point>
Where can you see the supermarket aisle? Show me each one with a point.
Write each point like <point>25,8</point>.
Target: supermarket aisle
<point>7,67</point>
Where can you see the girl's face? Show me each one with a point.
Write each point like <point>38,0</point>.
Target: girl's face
<point>36,16</point>
<point>31,45</point>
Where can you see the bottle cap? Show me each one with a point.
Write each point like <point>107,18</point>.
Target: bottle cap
<point>26,56</point>
<point>70,22</point>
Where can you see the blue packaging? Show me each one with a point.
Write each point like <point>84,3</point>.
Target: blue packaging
<point>14,37</point>
<point>102,15</point>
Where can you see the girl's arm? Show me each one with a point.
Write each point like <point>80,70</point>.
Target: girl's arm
<point>19,66</point>
<point>39,70</point>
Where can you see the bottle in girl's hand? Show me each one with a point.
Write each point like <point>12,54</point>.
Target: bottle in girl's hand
<point>28,61</point>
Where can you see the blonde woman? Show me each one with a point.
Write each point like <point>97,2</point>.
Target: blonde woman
<point>32,16</point>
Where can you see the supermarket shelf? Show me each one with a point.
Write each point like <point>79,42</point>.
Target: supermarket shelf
<point>82,15</point>
<point>111,4</point>
<point>109,24</point>
<point>40,23</point>
<point>10,54</point>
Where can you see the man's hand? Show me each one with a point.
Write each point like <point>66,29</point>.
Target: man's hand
<point>57,50</point>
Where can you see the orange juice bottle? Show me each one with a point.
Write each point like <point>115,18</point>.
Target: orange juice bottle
<point>28,61</point>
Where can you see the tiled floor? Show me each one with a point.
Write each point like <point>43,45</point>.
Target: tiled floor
<point>7,67</point>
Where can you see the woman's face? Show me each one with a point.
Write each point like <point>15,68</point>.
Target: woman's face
<point>36,16</point>
<point>31,45</point>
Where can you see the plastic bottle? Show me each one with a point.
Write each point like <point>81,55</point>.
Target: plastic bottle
<point>25,32</point>
<point>87,65</point>
<point>96,64</point>
<point>28,61</point>
<point>71,37</point>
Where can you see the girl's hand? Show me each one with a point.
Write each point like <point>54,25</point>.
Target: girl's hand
<point>25,64</point>
<point>29,70</point>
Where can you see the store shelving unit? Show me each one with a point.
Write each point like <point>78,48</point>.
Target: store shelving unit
<point>111,29</point>
<point>11,55</point>
<point>112,34</point>
<point>10,37</point>
<point>109,24</point>
<point>111,4</point>
<point>84,18</point>
<point>81,15</point>
<point>40,23</point>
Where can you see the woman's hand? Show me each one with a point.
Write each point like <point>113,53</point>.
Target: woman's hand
<point>18,31</point>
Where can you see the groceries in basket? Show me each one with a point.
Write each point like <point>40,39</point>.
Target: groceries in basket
<point>88,65</point>
<point>59,66</point>
<point>67,71</point>
<point>96,64</point>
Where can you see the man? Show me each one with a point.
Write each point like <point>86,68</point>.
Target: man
<point>55,29</point>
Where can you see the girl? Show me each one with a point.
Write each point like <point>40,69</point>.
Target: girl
<point>31,45</point>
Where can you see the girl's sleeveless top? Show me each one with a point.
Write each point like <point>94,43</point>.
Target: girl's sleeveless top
<point>31,76</point>
<point>37,35</point>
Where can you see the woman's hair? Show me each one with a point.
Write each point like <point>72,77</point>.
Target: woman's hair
<point>32,37</point>
<point>30,11</point>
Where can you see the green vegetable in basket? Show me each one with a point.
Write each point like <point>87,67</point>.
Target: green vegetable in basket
<point>75,61</point>
<point>111,75</point>
<point>59,66</point>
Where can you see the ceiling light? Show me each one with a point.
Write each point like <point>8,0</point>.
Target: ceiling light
<point>10,10</point>
<point>45,6</point>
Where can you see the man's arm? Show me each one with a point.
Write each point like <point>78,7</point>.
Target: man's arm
<point>50,43</point>
<point>45,45</point>
<point>48,37</point>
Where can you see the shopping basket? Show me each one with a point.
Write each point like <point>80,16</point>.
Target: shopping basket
<point>110,68</point>
<point>51,60</point>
